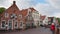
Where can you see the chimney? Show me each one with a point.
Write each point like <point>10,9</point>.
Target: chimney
<point>14,2</point>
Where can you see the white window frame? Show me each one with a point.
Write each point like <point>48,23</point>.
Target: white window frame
<point>1,24</point>
<point>13,15</point>
<point>9,22</point>
<point>22,24</point>
<point>20,16</point>
<point>6,15</point>
<point>17,24</point>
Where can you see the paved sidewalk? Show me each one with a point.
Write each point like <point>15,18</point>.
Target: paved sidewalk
<point>40,30</point>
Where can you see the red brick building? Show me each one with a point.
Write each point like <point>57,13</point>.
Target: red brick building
<point>13,18</point>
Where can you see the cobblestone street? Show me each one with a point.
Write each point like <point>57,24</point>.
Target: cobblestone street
<point>40,30</point>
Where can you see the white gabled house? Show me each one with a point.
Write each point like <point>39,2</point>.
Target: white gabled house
<point>44,20</point>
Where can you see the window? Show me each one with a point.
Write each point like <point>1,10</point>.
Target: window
<point>16,16</point>
<point>16,24</point>
<point>29,11</point>
<point>31,18</point>
<point>3,24</point>
<point>10,24</point>
<point>6,14</point>
<point>20,16</point>
<point>28,17</point>
<point>21,23</point>
<point>13,16</point>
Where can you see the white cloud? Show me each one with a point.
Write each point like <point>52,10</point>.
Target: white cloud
<point>54,3</point>
<point>22,4</point>
<point>44,9</point>
<point>51,8</point>
<point>57,14</point>
<point>5,3</point>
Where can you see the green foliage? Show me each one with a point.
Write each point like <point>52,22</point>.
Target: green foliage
<point>2,9</point>
<point>59,20</point>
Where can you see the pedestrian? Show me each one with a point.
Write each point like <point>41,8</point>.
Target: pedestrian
<point>45,26</point>
<point>53,28</point>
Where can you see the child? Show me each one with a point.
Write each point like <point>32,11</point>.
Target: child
<point>53,28</point>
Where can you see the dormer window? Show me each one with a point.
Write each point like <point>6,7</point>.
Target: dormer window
<point>6,14</point>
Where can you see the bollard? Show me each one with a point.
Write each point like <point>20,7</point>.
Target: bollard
<point>57,31</point>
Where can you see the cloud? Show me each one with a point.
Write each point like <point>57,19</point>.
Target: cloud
<point>22,4</point>
<point>55,7</point>
<point>54,3</point>
<point>57,14</point>
<point>5,3</point>
<point>50,8</point>
<point>45,7</point>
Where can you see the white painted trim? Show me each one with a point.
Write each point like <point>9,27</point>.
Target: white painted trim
<point>1,24</point>
<point>12,24</point>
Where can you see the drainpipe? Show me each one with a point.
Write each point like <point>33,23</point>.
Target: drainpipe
<point>0,21</point>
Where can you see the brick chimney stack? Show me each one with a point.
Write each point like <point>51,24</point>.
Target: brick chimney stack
<point>14,2</point>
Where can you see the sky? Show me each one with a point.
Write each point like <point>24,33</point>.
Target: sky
<point>45,7</point>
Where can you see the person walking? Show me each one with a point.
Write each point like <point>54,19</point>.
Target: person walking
<point>53,28</point>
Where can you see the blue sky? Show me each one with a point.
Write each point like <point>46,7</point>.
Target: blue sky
<point>39,1</point>
<point>45,7</point>
<point>34,2</point>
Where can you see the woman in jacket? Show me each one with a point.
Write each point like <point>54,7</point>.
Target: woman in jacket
<point>53,28</point>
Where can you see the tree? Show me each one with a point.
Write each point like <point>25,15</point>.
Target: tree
<point>2,9</point>
<point>59,20</point>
